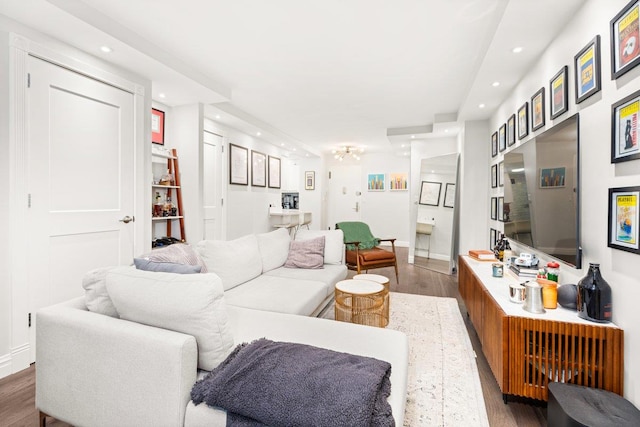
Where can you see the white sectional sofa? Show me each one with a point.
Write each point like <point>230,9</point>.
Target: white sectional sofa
<point>136,365</point>
<point>253,272</point>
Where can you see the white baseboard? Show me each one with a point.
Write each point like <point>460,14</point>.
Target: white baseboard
<point>15,361</point>
<point>5,365</point>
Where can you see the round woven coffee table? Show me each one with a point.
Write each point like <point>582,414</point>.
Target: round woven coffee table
<point>384,281</point>
<point>362,302</point>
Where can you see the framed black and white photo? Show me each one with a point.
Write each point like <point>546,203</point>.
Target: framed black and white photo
<point>502,137</point>
<point>501,174</point>
<point>274,172</point>
<point>449,195</point>
<point>624,129</point>
<point>238,165</point>
<point>624,219</point>
<point>494,144</point>
<point>558,93</point>
<point>494,176</point>
<point>500,208</point>
<point>625,39</point>
<point>258,169</point>
<point>494,208</point>
<point>586,64</point>
<point>430,193</point>
<point>511,130</point>
<point>523,120</point>
<point>537,110</point>
<point>493,238</point>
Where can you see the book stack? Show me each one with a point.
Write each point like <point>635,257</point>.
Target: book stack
<point>482,255</point>
<point>524,272</point>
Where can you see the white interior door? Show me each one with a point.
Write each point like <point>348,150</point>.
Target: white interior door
<point>212,186</point>
<point>345,194</point>
<point>80,181</point>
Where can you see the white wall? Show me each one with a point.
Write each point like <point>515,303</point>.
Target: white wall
<point>473,184</point>
<point>386,212</point>
<point>597,173</point>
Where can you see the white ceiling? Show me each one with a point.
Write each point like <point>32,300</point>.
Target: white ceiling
<point>316,74</point>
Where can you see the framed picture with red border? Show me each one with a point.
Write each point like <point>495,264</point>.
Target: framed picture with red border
<point>157,126</point>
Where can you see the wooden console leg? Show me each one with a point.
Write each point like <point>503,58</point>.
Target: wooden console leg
<point>43,419</point>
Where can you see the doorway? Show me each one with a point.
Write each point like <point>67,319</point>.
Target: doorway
<point>345,194</point>
<point>79,175</point>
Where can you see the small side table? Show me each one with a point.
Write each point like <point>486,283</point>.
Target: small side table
<point>361,302</point>
<point>384,281</point>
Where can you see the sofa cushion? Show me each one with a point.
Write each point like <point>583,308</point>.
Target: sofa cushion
<point>306,253</point>
<point>234,261</point>
<point>178,253</point>
<point>95,292</point>
<point>272,293</point>
<point>329,275</point>
<point>165,267</point>
<point>274,248</point>
<point>333,243</point>
<point>189,303</point>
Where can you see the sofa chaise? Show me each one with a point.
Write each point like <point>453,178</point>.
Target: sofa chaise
<point>137,368</point>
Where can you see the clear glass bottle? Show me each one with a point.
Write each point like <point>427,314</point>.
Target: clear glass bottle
<point>594,296</point>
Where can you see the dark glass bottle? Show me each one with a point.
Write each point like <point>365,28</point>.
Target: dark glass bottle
<point>594,296</point>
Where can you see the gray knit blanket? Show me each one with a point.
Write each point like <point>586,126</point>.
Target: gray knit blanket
<point>267,383</point>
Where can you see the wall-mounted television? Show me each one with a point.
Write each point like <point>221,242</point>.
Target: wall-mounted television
<point>542,192</point>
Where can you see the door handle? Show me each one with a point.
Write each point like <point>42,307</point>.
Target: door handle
<point>127,219</point>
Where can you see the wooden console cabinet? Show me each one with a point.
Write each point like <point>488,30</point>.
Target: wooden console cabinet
<point>526,351</point>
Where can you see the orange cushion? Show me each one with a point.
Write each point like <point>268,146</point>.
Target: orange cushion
<point>372,255</point>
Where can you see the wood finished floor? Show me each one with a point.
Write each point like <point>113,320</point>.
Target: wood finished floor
<point>17,392</point>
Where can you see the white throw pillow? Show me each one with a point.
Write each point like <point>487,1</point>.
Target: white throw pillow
<point>274,248</point>
<point>333,243</point>
<point>189,303</point>
<point>235,261</point>
<point>96,297</point>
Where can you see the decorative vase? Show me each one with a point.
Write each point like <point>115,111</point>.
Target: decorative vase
<point>594,296</point>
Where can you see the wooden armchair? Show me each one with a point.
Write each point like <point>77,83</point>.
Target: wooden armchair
<point>362,251</point>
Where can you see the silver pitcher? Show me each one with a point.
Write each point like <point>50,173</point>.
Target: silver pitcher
<point>533,298</point>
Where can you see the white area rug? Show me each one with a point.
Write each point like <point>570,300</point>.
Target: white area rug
<point>443,387</point>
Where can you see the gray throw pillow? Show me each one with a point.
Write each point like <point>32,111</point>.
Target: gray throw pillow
<point>166,267</point>
<point>306,253</point>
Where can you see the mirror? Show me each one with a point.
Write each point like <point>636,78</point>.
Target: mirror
<point>433,245</point>
<point>541,193</point>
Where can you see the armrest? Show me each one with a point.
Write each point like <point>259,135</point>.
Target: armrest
<point>102,371</point>
<point>387,240</point>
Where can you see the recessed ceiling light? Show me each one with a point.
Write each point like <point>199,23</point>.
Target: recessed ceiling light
<point>481,106</point>
<point>413,136</point>
<point>282,144</point>
<point>495,84</point>
<point>258,133</point>
<point>401,145</point>
<point>517,49</point>
<point>106,49</point>
<point>446,131</point>
<point>162,95</point>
